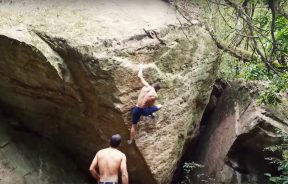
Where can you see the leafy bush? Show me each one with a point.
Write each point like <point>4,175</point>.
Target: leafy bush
<point>194,167</point>
<point>282,163</point>
<point>276,85</point>
<point>256,71</point>
<point>188,167</point>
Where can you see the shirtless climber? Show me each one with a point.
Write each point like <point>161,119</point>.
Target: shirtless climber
<point>109,161</point>
<point>144,106</point>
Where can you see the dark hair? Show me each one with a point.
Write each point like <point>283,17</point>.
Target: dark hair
<point>115,141</point>
<point>156,86</point>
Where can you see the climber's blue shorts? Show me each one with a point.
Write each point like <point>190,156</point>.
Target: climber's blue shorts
<point>138,112</point>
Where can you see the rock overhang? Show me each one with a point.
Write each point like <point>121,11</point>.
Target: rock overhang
<point>101,79</point>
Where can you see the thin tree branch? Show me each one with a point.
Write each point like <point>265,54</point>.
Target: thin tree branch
<point>181,25</point>
<point>234,51</point>
<point>272,8</point>
<point>248,19</point>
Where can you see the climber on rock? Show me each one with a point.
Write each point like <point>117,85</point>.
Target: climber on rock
<point>109,161</point>
<point>145,103</point>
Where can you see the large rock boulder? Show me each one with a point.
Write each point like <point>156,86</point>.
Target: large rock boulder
<point>69,72</point>
<point>236,134</point>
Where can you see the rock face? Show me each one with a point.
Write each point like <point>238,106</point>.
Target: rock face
<point>69,73</point>
<point>235,134</point>
<point>26,157</point>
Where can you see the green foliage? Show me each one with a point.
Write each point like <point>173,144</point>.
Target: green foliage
<point>230,27</point>
<point>282,163</point>
<point>188,167</point>
<point>282,34</point>
<point>269,96</point>
<point>256,71</point>
<point>229,67</point>
<point>276,85</point>
<point>263,21</point>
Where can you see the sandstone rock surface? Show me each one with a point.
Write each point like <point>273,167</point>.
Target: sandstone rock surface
<point>69,72</point>
<point>236,132</point>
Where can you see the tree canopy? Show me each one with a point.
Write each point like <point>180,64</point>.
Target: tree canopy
<point>253,37</point>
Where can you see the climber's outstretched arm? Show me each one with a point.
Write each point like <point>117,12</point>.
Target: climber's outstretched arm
<point>140,75</point>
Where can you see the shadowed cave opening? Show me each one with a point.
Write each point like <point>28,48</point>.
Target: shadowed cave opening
<point>195,149</point>
<point>247,160</point>
<point>28,157</point>
<point>250,159</point>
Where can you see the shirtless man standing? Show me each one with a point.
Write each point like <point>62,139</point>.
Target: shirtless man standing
<point>144,106</point>
<point>109,161</point>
